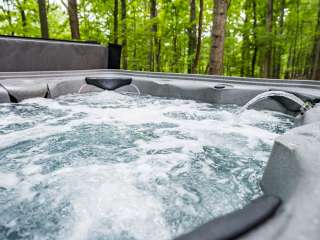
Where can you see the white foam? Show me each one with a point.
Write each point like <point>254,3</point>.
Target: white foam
<point>103,193</point>
<point>31,169</point>
<point>8,180</point>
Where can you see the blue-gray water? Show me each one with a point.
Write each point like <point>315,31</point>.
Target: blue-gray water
<point>111,166</point>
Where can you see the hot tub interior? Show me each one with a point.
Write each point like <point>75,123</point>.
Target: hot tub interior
<point>81,162</point>
<point>116,166</point>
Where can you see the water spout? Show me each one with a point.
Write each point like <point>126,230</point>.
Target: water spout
<point>304,106</point>
<point>82,87</point>
<point>136,88</point>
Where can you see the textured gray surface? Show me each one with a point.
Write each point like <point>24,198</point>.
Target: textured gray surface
<point>4,97</point>
<point>181,86</point>
<point>293,174</point>
<point>22,89</point>
<point>41,55</point>
<point>313,115</point>
<point>293,171</point>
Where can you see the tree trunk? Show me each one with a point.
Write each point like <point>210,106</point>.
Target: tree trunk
<point>279,51</point>
<point>115,21</point>
<point>124,34</point>
<point>7,12</point>
<point>218,35</point>
<point>245,48</point>
<point>192,34</point>
<point>268,50</point>
<point>73,19</point>
<point>174,64</point>
<point>294,56</point>
<point>315,64</point>
<point>153,39</point>
<point>176,54</point>
<point>158,55</point>
<point>289,63</point>
<point>255,50</point>
<point>297,71</point>
<point>307,67</point>
<point>198,49</point>
<point>135,65</point>
<point>43,19</point>
<point>23,15</point>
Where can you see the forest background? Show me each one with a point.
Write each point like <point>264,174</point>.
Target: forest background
<point>249,38</point>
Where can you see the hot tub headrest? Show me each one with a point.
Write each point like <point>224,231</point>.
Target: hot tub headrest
<point>108,83</point>
<point>238,223</point>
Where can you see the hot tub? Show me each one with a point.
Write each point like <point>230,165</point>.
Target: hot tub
<point>160,156</point>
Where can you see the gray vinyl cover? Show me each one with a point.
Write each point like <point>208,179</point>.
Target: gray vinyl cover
<point>18,54</point>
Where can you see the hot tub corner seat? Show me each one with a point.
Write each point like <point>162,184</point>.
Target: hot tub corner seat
<point>292,173</point>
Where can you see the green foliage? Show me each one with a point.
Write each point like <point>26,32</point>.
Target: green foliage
<point>292,43</point>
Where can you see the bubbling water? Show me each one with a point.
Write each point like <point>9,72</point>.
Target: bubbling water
<point>111,166</point>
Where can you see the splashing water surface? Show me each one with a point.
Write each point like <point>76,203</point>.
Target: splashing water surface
<point>112,166</point>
